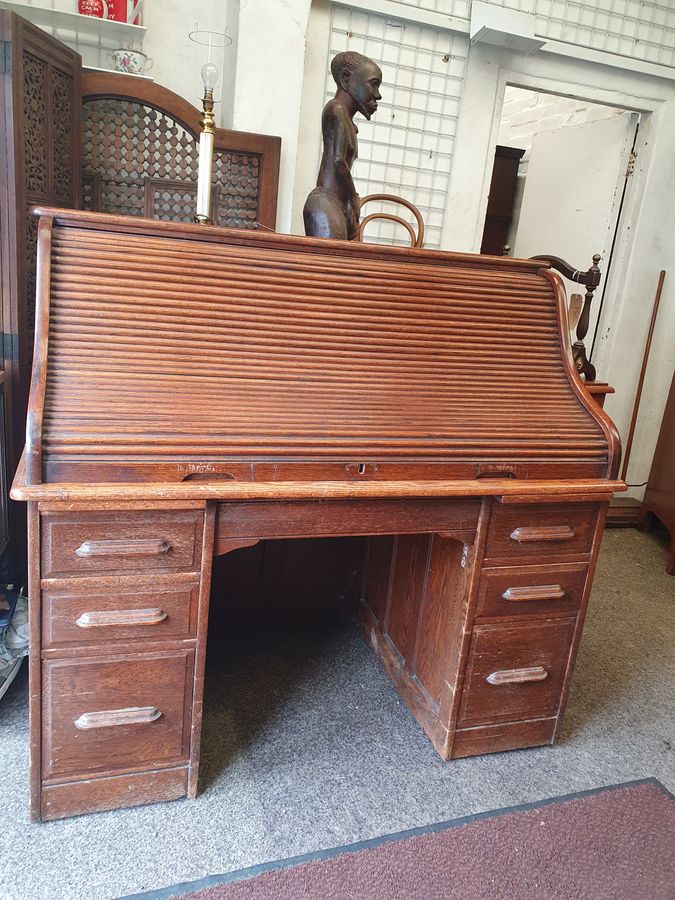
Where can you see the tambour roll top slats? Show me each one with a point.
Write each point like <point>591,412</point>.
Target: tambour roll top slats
<point>179,343</point>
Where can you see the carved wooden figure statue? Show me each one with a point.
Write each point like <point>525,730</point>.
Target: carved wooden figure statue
<point>332,208</point>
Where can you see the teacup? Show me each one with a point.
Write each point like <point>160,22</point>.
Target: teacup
<point>133,62</point>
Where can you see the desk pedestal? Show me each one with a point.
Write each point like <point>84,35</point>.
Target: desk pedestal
<point>474,606</point>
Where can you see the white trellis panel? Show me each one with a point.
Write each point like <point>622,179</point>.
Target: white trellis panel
<point>406,148</point>
<point>641,29</point>
<point>458,9</point>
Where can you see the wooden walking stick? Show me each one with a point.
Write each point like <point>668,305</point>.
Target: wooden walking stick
<point>643,371</point>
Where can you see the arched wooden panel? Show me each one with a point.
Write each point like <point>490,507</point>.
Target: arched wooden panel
<point>140,157</point>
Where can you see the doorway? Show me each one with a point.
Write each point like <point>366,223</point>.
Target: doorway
<point>569,173</point>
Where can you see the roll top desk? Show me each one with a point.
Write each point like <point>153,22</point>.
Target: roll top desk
<point>196,390</point>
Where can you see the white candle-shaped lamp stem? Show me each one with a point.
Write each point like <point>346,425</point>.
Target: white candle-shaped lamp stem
<point>203,214</point>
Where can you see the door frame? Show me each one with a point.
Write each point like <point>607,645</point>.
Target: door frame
<point>489,70</point>
<point>611,239</point>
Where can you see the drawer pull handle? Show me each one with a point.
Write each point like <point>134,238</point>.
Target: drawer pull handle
<point>107,718</point>
<point>535,592</point>
<point>517,676</point>
<point>542,533</point>
<point>139,547</point>
<point>103,618</point>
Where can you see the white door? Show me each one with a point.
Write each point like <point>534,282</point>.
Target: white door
<point>573,189</point>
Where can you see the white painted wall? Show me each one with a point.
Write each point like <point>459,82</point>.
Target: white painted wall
<point>268,81</point>
<point>526,113</point>
<point>178,60</point>
<point>619,354</point>
<point>313,100</point>
<point>649,217</point>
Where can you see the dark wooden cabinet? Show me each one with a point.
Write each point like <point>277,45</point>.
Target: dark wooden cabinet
<point>659,498</point>
<point>39,164</point>
<point>499,213</point>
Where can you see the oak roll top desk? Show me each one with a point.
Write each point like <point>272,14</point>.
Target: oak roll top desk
<point>198,389</point>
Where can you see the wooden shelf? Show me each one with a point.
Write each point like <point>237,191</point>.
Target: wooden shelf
<point>74,29</point>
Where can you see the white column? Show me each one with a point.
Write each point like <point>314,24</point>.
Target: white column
<point>473,152</point>
<point>270,65</point>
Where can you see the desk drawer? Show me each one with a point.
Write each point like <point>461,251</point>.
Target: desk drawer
<point>116,714</point>
<point>528,590</point>
<point>515,672</point>
<point>83,543</point>
<point>137,614</point>
<point>532,531</point>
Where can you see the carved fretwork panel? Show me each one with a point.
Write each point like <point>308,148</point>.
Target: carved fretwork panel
<point>91,191</point>
<point>40,126</point>
<point>62,144</point>
<point>139,161</point>
<point>35,116</point>
<point>168,200</point>
<point>31,260</point>
<point>237,174</point>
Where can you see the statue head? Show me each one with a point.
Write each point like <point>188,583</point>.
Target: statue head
<point>360,77</point>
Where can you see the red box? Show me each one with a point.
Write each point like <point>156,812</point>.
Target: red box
<point>117,10</point>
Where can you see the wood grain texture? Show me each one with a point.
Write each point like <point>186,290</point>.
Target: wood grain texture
<point>40,163</point>
<point>199,390</point>
<point>208,533</point>
<point>266,149</point>
<point>90,687</point>
<point>376,585</point>
<point>92,616</point>
<point>100,542</point>
<point>542,590</point>
<point>579,624</point>
<point>544,645</point>
<point>410,357</point>
<point>344,517</point>
<point>518,676</point>
<point>115,718</point>
<point>97,794</point>
<point>659,499</point>
<point>496,738</point>
<point>34,661</point>
<point>532,533</point>
<point>409,577</point>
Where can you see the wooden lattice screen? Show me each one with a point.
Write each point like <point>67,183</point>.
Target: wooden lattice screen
<point>140,157</point>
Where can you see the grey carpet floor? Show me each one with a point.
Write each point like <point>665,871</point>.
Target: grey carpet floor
<point>308,746</point>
